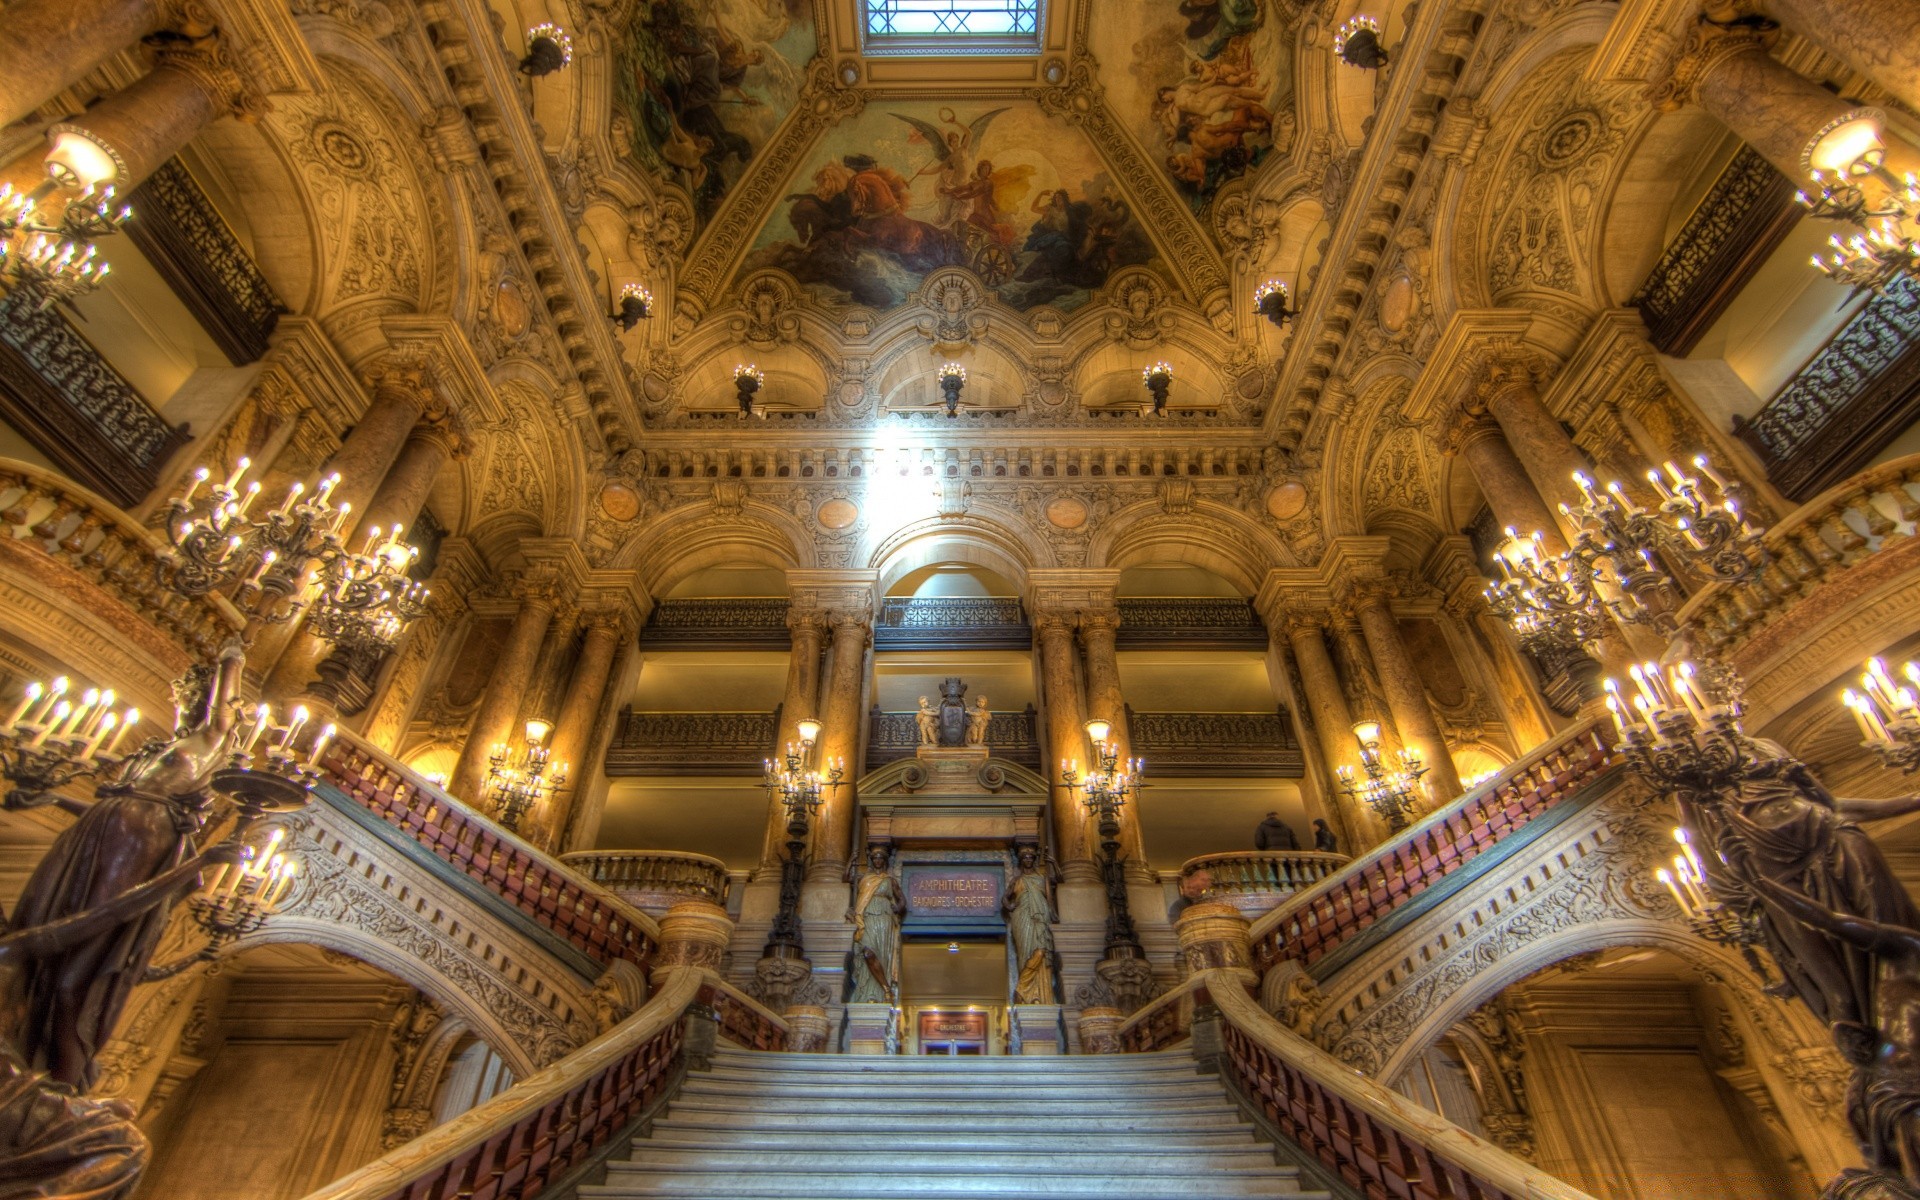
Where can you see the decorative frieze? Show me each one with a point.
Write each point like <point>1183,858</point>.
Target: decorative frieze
<point>1222,743</point>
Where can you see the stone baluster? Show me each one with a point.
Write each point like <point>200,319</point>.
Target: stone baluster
<point>1874,37</point>
<point>840,739</point>
<point>1726,70</point>
<point>1066,738</point>
<point>513,668</point>
<point>578,724</point>
<point>800,702</point>
<point>1406,695</point>
<point>48,45</point>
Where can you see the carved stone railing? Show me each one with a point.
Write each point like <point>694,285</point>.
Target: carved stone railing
<point>1312,924</point>
<point>1164,1021</point>
<point>1177,744</point>
<point>89,536</point>
<point>1189,622</point>
<point>183,235</point>
<point>951,623</point>
<point>1735,228</point>
<point>1253,881</point>
<point>1373,1139</point>
<point>741,1019</point>
<point>1843,533</point>
<point>588,916</point>
<point>75,408</point>
<point>1013,736</point>
<point>749,623</point>
<point>692,743</point>
<point>1846,405</point>
<point>653,880</point>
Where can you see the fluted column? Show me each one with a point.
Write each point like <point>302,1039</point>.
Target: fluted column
<point>506,687</point>
<point>1099,631</point>
<point>1406,695</point>
<point>47,45</point>
<point>1874,37</point>
<point>574,728</point>
<point>800,702</point>
<point>1332,719</point>
<point>1726,70</point>
<point>1503,479</point>
<point>840,739</point>
<point>1066,738</point>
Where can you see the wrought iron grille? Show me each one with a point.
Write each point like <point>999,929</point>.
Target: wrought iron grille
<point>754,622</point>
<point>692,743</point>
<point>183,234</point>
<point>1242,743</point>
<point>1146,623</point>
<point>1013,736</point>
<point>951,622</point>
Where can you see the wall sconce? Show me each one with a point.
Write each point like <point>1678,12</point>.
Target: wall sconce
<point>548,49</point>
<point>636,305</point>
<point>1270,301</point>
<point>1357,42</point>
<point>953,377</point>
<point>747,379</point>
<point>1159,379</point>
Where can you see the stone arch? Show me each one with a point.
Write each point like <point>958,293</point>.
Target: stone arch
<point>694,537</point>
<point>1212,536</point>
<point>981,544</point>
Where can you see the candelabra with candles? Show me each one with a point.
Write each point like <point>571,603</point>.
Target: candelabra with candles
<point>53,738</point>
<point>1270,300</point>
<point>1159,381</point>
<point>55,262</point>
<point>365,600</point>
<point>520,779</point>
<point>953,377</point>
<point>214,543</point>
<point>1108,786</point>
<point>800,791</point>
<point>1678,731</point>
<point>1888,713</point>
<point>1706,534</point>
<point>747,379</point>
<point>1554,607</point>
<point>1846,161</point>
<point>1388,790</point>
<point>236,900</point>
<point>1357,43</point>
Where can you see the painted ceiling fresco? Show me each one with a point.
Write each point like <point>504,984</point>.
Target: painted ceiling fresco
<point>909,187</point>
<point>701,86</point>
<point>1206,88</point>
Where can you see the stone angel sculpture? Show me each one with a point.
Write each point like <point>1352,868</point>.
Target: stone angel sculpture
<point>927,720</point>
<point>978,718</point>
<point>1031,915</point>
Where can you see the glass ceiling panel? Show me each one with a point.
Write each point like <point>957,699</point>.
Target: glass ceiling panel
<point>959,19</point>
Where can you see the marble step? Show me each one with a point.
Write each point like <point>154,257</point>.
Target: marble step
<point>686,1132</point>
<point>728,1056</point>
<point>1147,1120</point>
<point>746,1157</point>
<point>829,1091</point>
<point>732,1185</point>
<point>957,1112</point>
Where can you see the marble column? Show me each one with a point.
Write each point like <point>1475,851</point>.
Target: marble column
<point>574,728</point>
<point>1332,721</point>
<point>1875,37</point>
<point>800,702</point>
<point>1727,71</point>
<point>1503,479</point>
<point>1098,633</point>
<point>1541,445</point>
<point>506,688</point>
<point>409,481</point>
<point>1066,738</point>
<point>590,793</point>
<point>1406,695</point>
<point>841,719</point>
<point>48,45</point>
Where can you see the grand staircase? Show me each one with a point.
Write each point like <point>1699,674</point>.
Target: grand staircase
<point>844,1127</point>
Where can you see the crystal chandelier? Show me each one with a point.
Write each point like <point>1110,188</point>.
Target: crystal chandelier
<point>1271,301</point>
<point>953,377</point>
<point>1387,790</point>
<point>520,779</point>
<point>1846,161</point>
<point>55,262</point>
<point>1357,43</point>
<point>1158,379</point>
<point>748,379</point>
<point>1109,785</point>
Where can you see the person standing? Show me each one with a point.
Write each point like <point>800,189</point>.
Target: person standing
<point>1275,834</point>
<point>1323,839</point>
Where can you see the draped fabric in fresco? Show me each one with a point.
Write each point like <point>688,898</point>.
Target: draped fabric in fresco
<point>908,187</point>
<point>701,85</point>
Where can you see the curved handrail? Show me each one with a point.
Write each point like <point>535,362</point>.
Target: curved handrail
<point>1322,917</point>
<point>593,919</point>
<point>1358,1130</point>
<point>513,1145</point>
<point>1156,1024</point>
<point>701,877</point>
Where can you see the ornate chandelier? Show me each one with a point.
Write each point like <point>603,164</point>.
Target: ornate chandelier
<point>1389,791</point>
<point>1851,183</point>
<point>366,600</point>
<point>1888,713</point>
<point>1109,785</point>
<point>54,262</point>
<point>520,779</point>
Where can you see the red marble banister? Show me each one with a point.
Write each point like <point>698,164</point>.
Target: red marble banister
<point>742,1022</point>
<point>587,916</point>
<point>1314,923</point>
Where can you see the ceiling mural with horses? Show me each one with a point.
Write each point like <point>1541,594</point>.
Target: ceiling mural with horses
<point>700,86</point>
<point>911,186</point>
<point>1206,86</point>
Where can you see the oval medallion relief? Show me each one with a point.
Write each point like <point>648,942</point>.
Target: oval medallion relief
<point>1066,512</point>
<point>1286,501</point>
<point>620,502</point>
<point>837,514</point>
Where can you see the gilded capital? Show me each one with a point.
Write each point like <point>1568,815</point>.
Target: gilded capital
<point>1465,426</point>
<point>402,380</point>
<point>1096,624</point>
<point>1708,44</point>
<point>211,63</point>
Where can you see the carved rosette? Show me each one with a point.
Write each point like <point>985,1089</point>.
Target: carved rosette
<point>1213,937</point>
<point>694,933</point>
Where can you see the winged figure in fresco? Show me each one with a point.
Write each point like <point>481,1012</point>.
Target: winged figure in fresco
<point>953,156</point>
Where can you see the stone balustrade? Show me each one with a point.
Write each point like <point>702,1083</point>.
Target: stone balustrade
<point>1312,924</point>
<point>1844,532</point>
<point>91,537</point>
<point>593,919</point>
<point>1253,881</point>
<point>653,880</point>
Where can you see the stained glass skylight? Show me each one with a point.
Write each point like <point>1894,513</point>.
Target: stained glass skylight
<point>952,26</point>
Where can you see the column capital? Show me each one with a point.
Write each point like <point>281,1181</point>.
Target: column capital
<point>406,379</point>
<point>212,63</point>
<point>617,622</point>
<point>810,620</point>
<point>1708,44</point>
<point>1054,623</point>
<point>537,586</point>
<point>833,591</point>
<point>1099,623</point>
<point>1464,426</point>
<point>1505,372</point>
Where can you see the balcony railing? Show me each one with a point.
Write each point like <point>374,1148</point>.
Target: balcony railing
<point>653,880</point>
<point>90,536</point>
<point>675,743</point>
<point>1013,736</point>
<point>739,623</point>
<point>1189,623</point>
<point>1253,881</point>
<point>951,623</point>
<point>1849,403</point>
<point>1212,744</point>
<point>183,235</point>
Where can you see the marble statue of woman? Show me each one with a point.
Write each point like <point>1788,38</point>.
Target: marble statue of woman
<point>878,905</point>
<point>1030,917</point>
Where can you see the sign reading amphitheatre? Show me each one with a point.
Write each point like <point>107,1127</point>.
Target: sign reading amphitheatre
<point>943,891</point>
